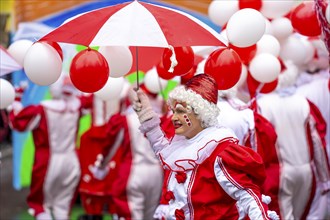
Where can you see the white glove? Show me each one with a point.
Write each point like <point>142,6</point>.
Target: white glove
<point>161,212</point>
<point>99,173</point>
<point>142,106</point>
<point>265,199</point>
<point>273,215</point>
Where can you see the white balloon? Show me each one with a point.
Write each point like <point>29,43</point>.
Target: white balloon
<point>282,28</point>
<point>288,77</point>
<point>265,67</point>
<point>327,13</point>
<point>119,58</point>
<point>18,50</point>
<point>153,82</point>
<point>269,28</point>
<point>112,89</point>
<point>245,27</point>
<point>293,49</point>
<point>268,44</point>
<point>42,64</point>
<point>320,47</point>
<point>220,11</point>
<point>310,50</point>
<point>276,9</point>
<point>7,93</point>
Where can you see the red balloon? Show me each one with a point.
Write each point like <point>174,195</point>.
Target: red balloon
<point>89,71</point>
<point>304,19</point>
<point>225,65</point>
<point>254,85</point>
<point>245,53</point>
<point>188,75</point>
<point>192,71</point>
<point>162,72</point>
<point>255,4</point>
<point>184,56</point>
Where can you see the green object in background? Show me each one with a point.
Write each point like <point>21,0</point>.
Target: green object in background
<point>170,86</point>
<point>132,77</point>
<point>82,47</point>
<point>27,161</point>
<point>84,124</point>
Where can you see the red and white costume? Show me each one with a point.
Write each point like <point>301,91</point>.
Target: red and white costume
<point>236,115</point>
<point>56,171</point>
<point>318,92</point>
<point>256,132</point>
<point>136,186</point>
<point>211,176</point>
<point>145,175</point>
<point>96,193</point>
<point>300,149</point>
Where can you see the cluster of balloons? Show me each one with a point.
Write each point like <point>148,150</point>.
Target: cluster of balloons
<point>261,37</point>
<point>91,71</point>
<point>265,35</point>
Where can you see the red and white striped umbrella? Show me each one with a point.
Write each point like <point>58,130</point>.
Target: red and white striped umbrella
<point>135,23</point>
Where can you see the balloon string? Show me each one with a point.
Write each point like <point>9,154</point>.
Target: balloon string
<point>137,68</point>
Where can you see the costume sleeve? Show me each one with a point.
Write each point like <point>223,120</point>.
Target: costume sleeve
<point>25,119</point>
<point>116,131</point>
<point>316,130</point>
<point>240,172</point>
<point>155,134</point>
<point>265,138</point>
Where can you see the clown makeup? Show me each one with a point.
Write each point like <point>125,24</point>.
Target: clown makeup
<point>185,121</point>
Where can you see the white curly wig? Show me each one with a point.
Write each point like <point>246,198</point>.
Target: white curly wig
<point>206,111</point>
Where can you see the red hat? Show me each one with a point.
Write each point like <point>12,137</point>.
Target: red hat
<point>204,85</point>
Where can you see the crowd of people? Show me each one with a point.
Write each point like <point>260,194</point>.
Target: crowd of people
<point>201,154</point>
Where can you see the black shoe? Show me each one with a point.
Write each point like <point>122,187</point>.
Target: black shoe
<point>90,217</point>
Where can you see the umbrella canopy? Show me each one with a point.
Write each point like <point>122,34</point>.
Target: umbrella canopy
<point>135,23</point>
<point>8,64</point>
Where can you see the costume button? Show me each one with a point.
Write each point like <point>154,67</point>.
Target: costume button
<point>169,196</point>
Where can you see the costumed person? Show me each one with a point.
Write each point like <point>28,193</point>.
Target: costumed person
<point>314,84</point>
<point>210,175</point>
<point>56,171</point>
<point>95,192</point>
<point>137,186</point>
<point>254,131</point>
<point>300,146</point>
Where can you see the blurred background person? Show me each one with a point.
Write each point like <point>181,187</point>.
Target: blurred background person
<point>136,188</point>
<point>300,145</point>
<point>56,171</point>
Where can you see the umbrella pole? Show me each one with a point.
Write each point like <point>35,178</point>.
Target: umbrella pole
<point>137,68</point>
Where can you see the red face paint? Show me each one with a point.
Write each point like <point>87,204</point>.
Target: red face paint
<point>187,120</point>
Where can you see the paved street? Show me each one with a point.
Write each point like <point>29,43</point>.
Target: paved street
<point>12,202</point>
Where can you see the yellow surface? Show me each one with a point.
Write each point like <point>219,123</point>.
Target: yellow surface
<point>29,10</point>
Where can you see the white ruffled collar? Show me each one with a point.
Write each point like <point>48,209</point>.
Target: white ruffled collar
<point>184,154</point>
